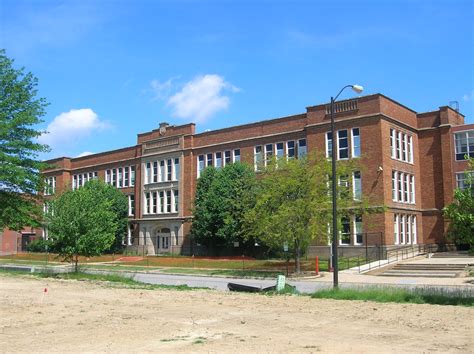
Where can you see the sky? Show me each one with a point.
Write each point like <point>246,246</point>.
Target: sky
<point>113,69</point>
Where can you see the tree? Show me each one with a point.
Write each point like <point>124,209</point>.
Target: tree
<point>461,211</point>
<point>85,222</point>
<point>20,111</point>
<point>294,202</point>
<point>222,198</point>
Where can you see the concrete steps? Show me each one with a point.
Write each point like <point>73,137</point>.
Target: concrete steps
<point>425,270</point>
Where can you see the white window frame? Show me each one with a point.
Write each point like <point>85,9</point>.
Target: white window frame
<point>396,229</point>
<point>341,149</point>
<point>329,155</point>
<point>353,155</point>
<point>234,154</point>
<point>354,185</point>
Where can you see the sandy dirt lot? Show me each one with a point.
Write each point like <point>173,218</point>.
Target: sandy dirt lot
<point>82,316</point>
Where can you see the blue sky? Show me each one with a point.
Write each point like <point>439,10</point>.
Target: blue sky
<point>112,69</point>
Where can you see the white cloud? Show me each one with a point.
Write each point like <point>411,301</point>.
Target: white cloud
<point>71,127</point>
<point>201,98</point>
<point>468,96</point>
<point>85,153</point>
<point>161,90</point>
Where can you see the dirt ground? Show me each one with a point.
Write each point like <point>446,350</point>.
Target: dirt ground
<point>81,316</point>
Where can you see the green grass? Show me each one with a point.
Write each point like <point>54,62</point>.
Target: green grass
<point>110,279</point>
<point>386,294</point>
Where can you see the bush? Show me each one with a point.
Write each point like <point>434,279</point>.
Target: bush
<point>38,245</point>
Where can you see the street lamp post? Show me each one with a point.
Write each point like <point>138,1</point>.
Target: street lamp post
<point>335,266</point>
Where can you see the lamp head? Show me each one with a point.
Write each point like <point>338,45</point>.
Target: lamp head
<point>357,88</point>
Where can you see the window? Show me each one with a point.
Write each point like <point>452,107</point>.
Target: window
<point>147,203</point>
<point>49,185</point>
<point>396,239</point>
<point>268,153</point>
<point>126,178</point>
<point>394,186</point>
<point>403,187</point>
<point>302,150</point>
<point>329,145</point>
<point>209,160</point>
<point>258,158</point>
<point>410,149</point>
<point>392,142</point>
<point>162,201</point>
<point>237,155</point>
<point>148,176</point>
<point>343,145</point>
<point>464,144</point>
<point>120,177</point>
<point>168,201</point>
<point>401,146</point>
<point>413,229</point>
<point>358,235</point>
<point>162,171</point>
<point>80,179</point>
<point>176,200</point>
<point>155,202</point>
<point>280,151</point>
<point>355,142</point>
<point>131,205</point>
<point>290,149</point>
<point>155,171</point>
<point>462,180</point>
<point>74,182</point>
<point>108,175</point>
<point>169,169</point>
<point>402,229</point>
<point>132,176</point>
<point>357,185</point>
<point>218,159</point>
<point>177,170</point>
<point>345,232</point>
<point>343,186</point>
<point>200,165</point>
<point>227,158</point>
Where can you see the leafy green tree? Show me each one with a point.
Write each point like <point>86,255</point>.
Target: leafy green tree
<point>222,198</point>
<point>85,222</point>
<point>461,212</point>
<point>20,112</point>
<point>294,202</point>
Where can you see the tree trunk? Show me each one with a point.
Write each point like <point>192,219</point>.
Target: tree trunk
<point>76,264</point>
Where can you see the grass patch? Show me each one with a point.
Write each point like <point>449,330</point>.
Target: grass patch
<point>415,296</point>
<point>111,279</point>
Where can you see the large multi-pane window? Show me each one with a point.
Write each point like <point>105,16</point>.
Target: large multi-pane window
<point>123,177</point>
<point>404,229</point>
<point>403,187</point>
<point>218,159</point>
<point>268,153</point>
<point>161,171</point>
<point>464,144</point>
<point>401,146</point>
<point>351,230</point>
<point>342,144</point>
<point>49,185</point>
<point>161,202</point>
<point>176,170</point>
<point>79,180</point>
